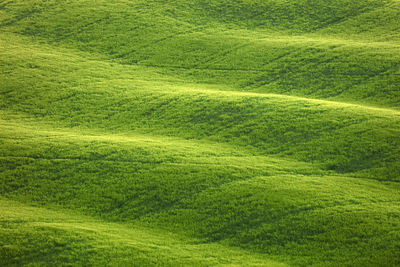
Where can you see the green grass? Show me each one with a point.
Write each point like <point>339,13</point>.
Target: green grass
<point>207,191</point>
<point>347,50</point>
<point>32,235</point>
<point>200,133</point>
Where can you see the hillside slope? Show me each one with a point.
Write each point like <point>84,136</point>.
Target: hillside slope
<point>215,193</point>
<point>346,50</point>
<point>42,237</point>
<point>261,132</point>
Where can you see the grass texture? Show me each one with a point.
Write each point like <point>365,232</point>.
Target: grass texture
<point>200,133</point>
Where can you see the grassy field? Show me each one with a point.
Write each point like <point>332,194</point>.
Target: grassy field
<point>41,237</point>
<point>245,132</point>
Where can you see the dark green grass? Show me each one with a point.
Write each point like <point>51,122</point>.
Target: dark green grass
<point>269,126</point>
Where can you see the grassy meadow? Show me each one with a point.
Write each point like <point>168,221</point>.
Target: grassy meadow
<point>200,133</point>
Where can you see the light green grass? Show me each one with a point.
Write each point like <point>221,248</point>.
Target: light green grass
<point>205,190</point>
<point>289,47</point>
<point>200,132</point>
<point>37,236</point>
<point>346,137</point>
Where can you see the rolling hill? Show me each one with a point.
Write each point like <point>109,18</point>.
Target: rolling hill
<point>205,132</point>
